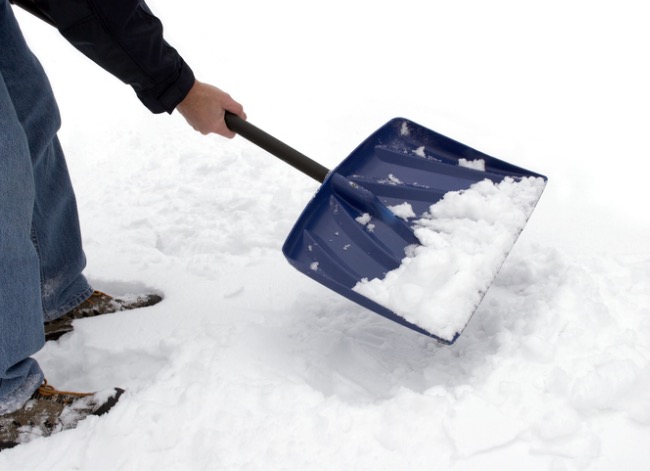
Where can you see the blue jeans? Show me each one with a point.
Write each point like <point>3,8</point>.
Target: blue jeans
<point>41,258</point>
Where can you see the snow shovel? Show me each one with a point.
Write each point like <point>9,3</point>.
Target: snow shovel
<point>365,222</point>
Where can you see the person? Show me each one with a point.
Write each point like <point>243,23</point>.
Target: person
<point>41,255</point>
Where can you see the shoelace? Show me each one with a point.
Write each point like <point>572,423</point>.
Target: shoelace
<point>48,392</point>
<point>97,297</point>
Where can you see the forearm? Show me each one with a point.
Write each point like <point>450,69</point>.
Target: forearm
<point>126,39</point>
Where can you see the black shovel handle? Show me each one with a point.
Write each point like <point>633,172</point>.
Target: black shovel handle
<point>276,147</point>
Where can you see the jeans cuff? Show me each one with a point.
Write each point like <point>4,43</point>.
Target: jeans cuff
<point>70,303</point>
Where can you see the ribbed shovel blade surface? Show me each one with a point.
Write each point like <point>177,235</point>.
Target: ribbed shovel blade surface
<point>348,232</point>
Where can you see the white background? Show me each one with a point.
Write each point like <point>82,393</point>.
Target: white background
<point>247,364</point>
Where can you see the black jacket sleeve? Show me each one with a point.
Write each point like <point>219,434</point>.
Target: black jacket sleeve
<point>126,39</point>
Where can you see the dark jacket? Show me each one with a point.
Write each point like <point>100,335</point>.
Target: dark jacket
<point>126,39</point>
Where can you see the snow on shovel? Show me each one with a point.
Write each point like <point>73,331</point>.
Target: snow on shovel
<point>412,225</point>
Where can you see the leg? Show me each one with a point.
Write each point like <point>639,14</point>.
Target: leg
<point>40,249</point>
<point>56,235</point>
<point>55,223</point>
<point>21,318</point>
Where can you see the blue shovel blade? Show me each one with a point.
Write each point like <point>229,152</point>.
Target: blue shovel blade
<point>401,162</point>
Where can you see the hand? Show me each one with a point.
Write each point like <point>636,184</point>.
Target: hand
<point>204,108</point>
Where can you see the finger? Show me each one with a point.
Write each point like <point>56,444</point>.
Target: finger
<point>224,130</point>
<point>234,107</point>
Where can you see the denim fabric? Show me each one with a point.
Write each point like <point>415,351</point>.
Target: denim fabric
<point>41,258</point>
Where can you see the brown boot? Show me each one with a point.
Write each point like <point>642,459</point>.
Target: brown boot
<point>49,411</point>
<point>98,304</point>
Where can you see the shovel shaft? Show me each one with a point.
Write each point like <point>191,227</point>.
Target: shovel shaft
<point>276,147</point>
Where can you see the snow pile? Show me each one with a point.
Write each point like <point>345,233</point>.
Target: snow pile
<point>465,238</point>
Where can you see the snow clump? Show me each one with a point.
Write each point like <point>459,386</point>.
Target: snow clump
<point>465,237</point>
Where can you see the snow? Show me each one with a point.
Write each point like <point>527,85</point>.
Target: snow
<point>465,238</point>
<point>392,179</point>
<point>364,220</point>
<point>420,151</point>
<point>478,164</point>
<point>404,211</point>
<point>248,364</point>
